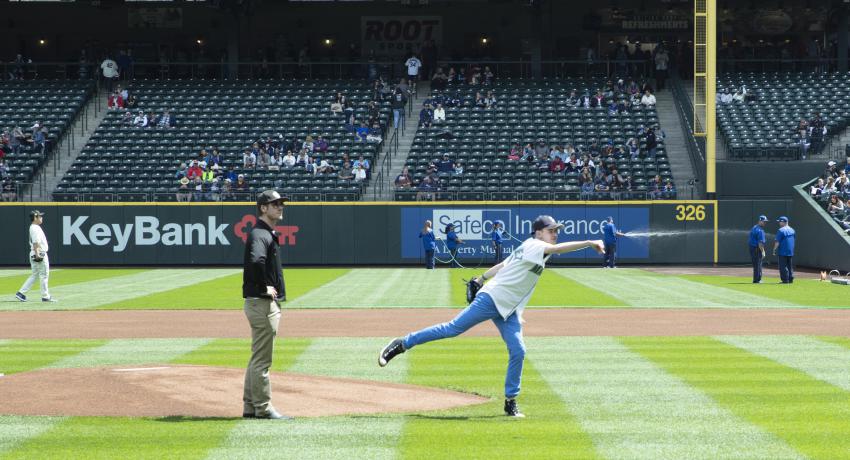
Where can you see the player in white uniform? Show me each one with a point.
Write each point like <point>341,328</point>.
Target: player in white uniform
<point>38,260</point>
<point>502,300</point>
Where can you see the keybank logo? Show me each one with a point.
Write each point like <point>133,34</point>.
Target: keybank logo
<point>472,224</point>
<point>286,233</point>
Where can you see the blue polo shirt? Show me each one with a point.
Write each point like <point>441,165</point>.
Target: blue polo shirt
<point>785,236</point>
<point>756,236</point>
<point>429,243</point>
<point>609,233</point>
<point>497,236</point>
<point>451,240</point>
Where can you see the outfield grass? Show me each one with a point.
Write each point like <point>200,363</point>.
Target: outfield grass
<point>551,290</point>
<point>224,293</point>
<point>64,277</point>
<point>801,291</point>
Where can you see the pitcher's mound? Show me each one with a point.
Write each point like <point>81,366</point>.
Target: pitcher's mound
<point>201,391</point>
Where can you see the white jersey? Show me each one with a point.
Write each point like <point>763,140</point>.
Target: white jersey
<point>511,288</point>
<point>37,236</point>
<point>413,64</point>
<point>110,68</point>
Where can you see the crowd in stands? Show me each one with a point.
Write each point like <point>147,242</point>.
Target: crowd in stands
<point>832,189</point>
<point>13,141</point>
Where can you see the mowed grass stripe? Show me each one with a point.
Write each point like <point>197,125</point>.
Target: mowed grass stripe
<point>478,365</point>
<point>824,361</point>
<point>114,437</point>
<point>380,287</point>
<point>841,341</point>
<point>236,352</point>
<point>633,409</point>
<point>348,357</point>
<point>805,292</point>
<point>16,430</point>
<point>551,290</point>
<point>120,352</point>
<point>640,288</point>
<point>224,293</point>
<point>11,284</point>
<point>91,294</point>
<point>372,437</point>
<point>811,416</point>
<point>25,355</point>
<point>16,272</point>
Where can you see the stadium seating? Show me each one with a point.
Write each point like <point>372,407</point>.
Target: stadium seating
<point>766,127</point>
<point>528,111</point>
<point>138,164</point>
<point>53,103</point>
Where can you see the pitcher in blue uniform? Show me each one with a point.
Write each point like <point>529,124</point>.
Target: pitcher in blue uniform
<point>609,237</point>
<point>756,244</point>
<point>783,248</point>
<point>429,244</point>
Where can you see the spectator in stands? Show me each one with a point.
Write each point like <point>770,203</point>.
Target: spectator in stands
<point>215,157</point>
<point>312,167</point>
<point>184,193</point>
<point>739,95</point>
<point>110,71</point>
<point>131,101</point>
<point>669,191</point>
<point>263,159</point>
<point>7,189</point>
<point>426,117</point>
<point>648,100</point>
<point>817,188</point>
<point>403,180</point>
<point>208,175</point>
<point>490,100</point>
<point>655,187</point>
<point>651,143</point>
<point>194,171</point>
<point>460,78</point>
<point>488,75</point>
<point>634,148</point>
<point>836,206</point>
<point>303,159</point>
<point>584,100</point>
<point>359,173</point>
<point>829,188</point>
<point>426,189</point>
<point>413,65</point>
<point>321,145</point>
<point>404,87</point>
<point>276,162</point>
<point>362,132</point>
<point>199,190</point>
<point>725,97</point>
<point>445,164</point>
<point>226,193</point>
<point>528,153</point>
<point>458,170</point>
<point>476,78</point>
<point>375,135</point>
<point>573,99</point>
<point>516,152</point>
<point>612,108</point>
<point>338,103</point>
<point>586,183</point>
<point>115,101</point>
<point>440,80</point>
<point>439,114</point>
<point>241,184</point>
<point>597,100</point>
<point>572,163</point>
<point>126,119</point>
<point>231,174</point>
<point>346,171</point>
<point>479,100</point>
<point>399,100</point>
<point>324,167</point>
<point>662,59</point>
<point>249,159</point>
<point>557,165</point>
<point>288,160</point>
<point>166,120</point>
<point>141,120</point>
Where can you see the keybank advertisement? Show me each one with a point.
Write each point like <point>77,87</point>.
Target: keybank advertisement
<point>474,225</point>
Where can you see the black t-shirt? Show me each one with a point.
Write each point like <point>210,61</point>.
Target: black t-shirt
<point>261,265</point>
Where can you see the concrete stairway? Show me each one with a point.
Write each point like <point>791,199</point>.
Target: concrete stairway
<point>677,150</point>
<point>69,149</point>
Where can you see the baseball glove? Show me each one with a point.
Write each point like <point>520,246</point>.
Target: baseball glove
<point>472,287</point>
<point>38,256</point>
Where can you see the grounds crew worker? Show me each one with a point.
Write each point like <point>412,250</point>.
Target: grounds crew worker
<point>784,249</point>
<point>756,244</point>
<point>38,259</point>
<point>263,289</point>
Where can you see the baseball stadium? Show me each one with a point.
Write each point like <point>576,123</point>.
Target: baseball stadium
<point>369,229</point>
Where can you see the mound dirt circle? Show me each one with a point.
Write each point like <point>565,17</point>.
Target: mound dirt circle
<point>159,390</point>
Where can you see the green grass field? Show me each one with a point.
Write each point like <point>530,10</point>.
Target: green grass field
<point>702,397</point>
<point>118,289</point>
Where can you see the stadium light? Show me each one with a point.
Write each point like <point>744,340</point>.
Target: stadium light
<point>42,42</point>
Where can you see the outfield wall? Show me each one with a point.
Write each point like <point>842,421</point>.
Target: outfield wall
<point>680,232</point>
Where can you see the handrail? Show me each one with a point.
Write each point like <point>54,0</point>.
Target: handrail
<point>695,152</point>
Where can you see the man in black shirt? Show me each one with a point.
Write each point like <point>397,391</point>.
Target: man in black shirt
<point>263,289</point>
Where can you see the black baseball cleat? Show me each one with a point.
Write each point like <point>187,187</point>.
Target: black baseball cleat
<point>48,299</point>
<point>511,409</point>
<point>20,297</point>
<point>395,347</point>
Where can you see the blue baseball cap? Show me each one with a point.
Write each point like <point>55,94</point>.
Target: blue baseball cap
<point>762,218</point>
<point>782,219</point>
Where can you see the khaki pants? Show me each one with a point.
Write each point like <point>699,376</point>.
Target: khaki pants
<point>40,270</point>
<point>263,316</point>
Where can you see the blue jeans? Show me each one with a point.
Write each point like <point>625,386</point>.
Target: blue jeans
<point>498,248</point>
<point>398,114</point>
<point>429,258</point>
<point>481,309</point>
<point>755,257</point>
